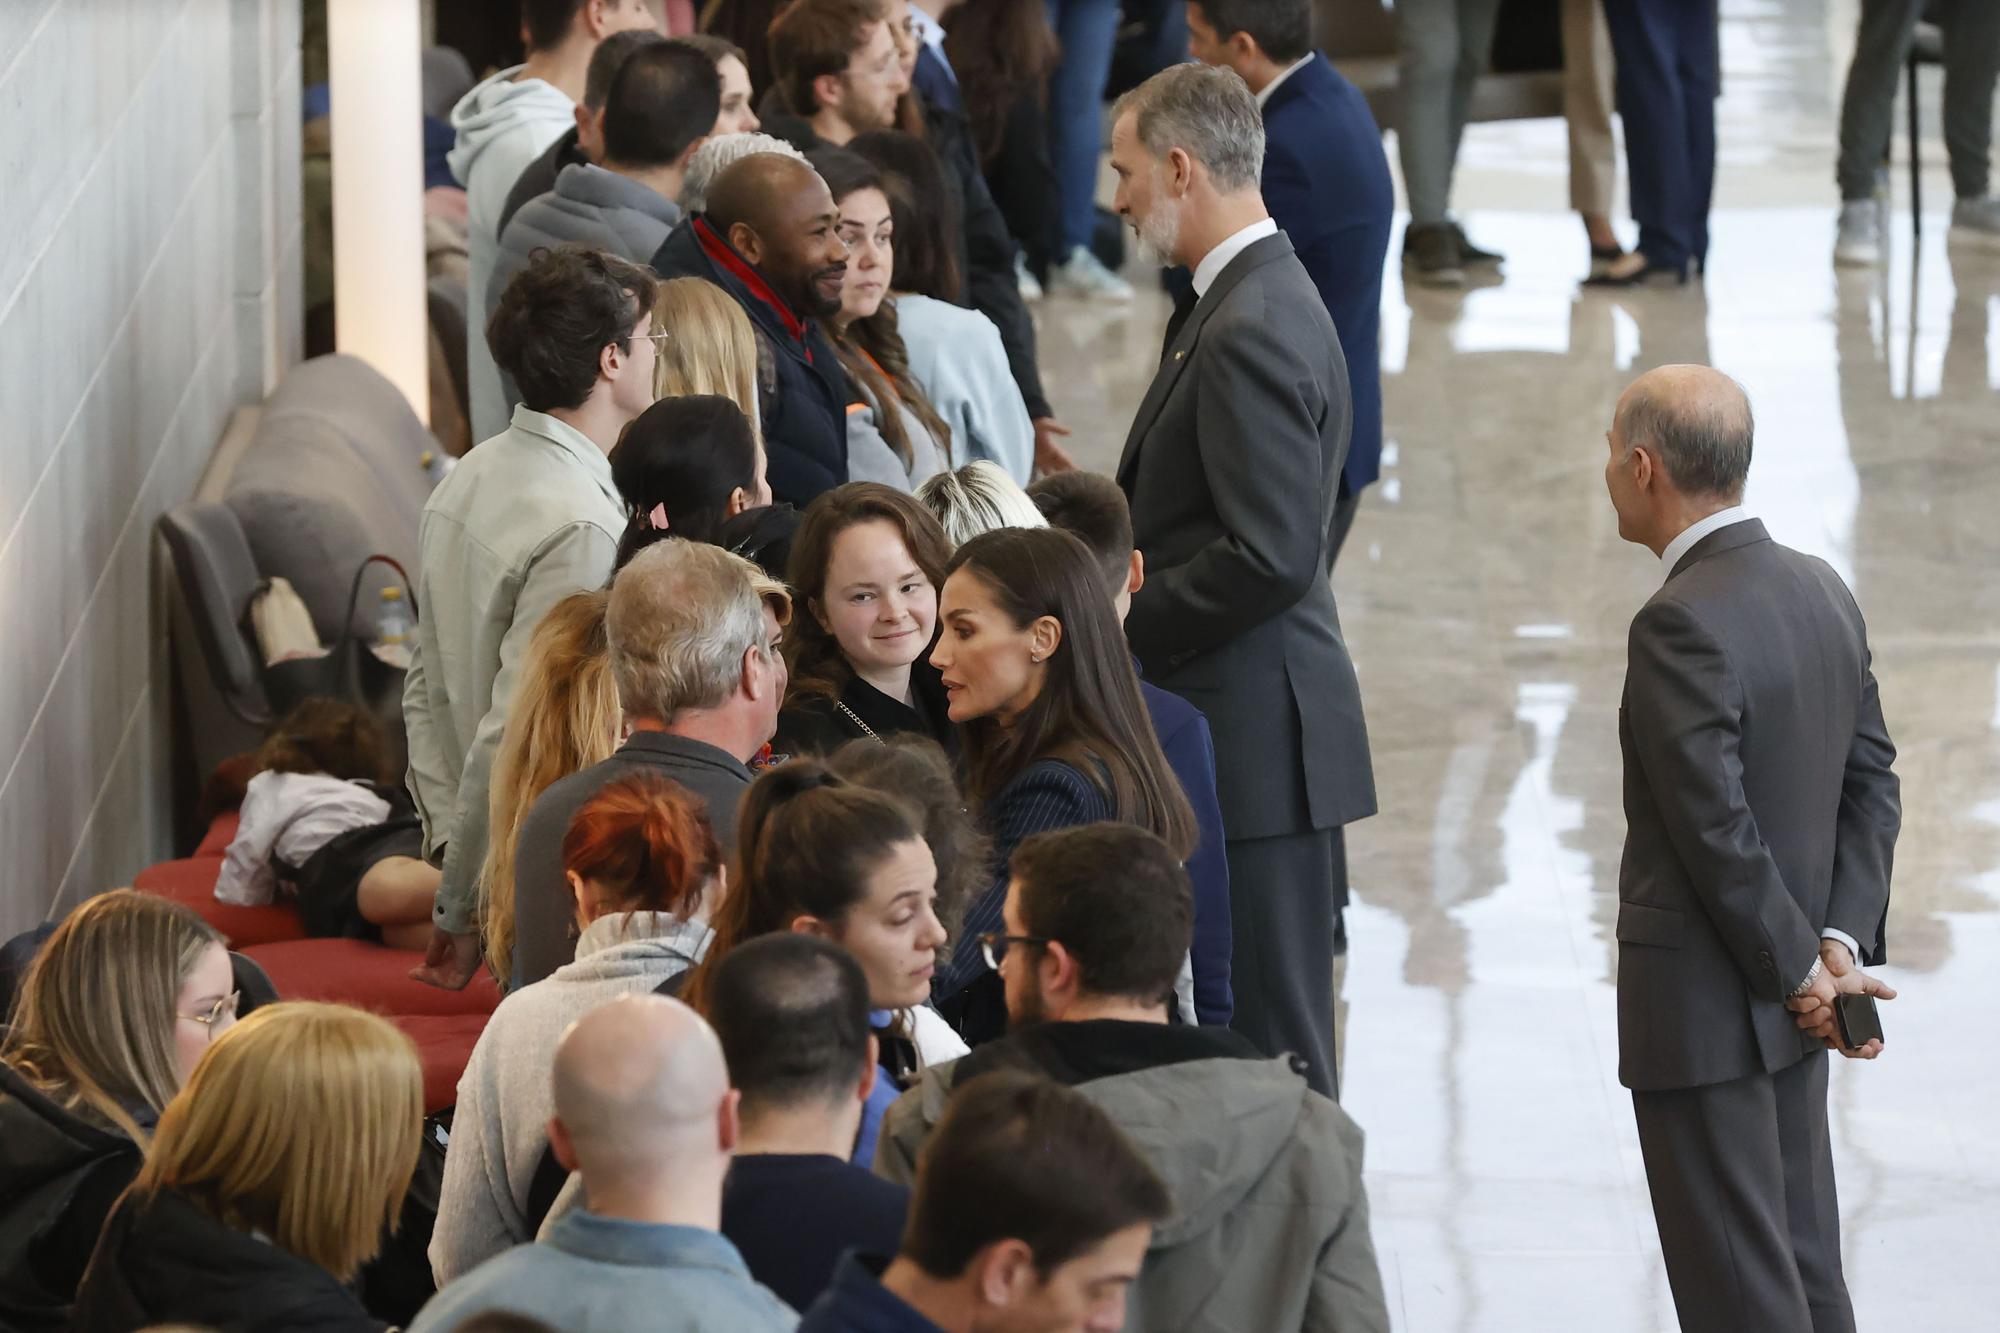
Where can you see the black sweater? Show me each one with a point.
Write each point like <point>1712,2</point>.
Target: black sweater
<point>164,1261</point>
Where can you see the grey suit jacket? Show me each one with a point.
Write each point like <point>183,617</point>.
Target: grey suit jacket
<point>1232,467</point>
<point>1759,807</point>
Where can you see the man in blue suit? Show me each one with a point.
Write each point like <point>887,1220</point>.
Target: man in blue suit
<point>1326,182</point>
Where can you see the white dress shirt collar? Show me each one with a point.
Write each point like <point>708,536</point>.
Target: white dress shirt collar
<point>1283,74</point>
<point>1684,543</point>
<point>930,32</point>
<point>1211,265</point>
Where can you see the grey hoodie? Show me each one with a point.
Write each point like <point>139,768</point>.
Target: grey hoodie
<point>503,124</point>
<point>1270,1226</point>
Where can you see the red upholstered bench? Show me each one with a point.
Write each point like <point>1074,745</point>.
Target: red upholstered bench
<point>191,882</point>
<point>444,1045</point>
<point>444,1024</point>
<point>367,976</point>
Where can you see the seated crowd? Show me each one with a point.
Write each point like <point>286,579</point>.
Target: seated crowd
<point>775,743</point>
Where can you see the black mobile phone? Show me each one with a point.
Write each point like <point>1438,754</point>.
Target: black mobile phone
<point>1860,1021</point>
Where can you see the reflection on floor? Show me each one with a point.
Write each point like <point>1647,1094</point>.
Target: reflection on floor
<point>1486,596</point>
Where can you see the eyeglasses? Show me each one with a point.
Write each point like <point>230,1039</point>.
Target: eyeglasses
<point>993,947</point>
<point>224,1006</point>
<point>655,338</point>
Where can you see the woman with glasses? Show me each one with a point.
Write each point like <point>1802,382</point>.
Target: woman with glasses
<point>115,1011</point>
<point>274,1175</point>
<point>819,854</point>
<point>1038,676</point>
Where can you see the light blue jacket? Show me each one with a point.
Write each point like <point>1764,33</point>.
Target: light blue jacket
<point>607,1275</point>
<point>525,519</point>
<point>957,358</point>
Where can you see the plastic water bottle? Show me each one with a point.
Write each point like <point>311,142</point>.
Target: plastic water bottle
<point>395,634</point>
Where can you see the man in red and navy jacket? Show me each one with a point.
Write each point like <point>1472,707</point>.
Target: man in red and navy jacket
<point>770,239</point>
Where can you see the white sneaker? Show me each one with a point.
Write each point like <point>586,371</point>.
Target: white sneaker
<point>1858,243</point>
<point>1976,222</point>
<point>1082,275</point>
<point>1024,280</point>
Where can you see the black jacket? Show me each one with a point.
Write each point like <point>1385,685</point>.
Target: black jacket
<point>59,1176</point>
<point>806,398</point>
<point>813,724</point>
<point>985,250</point>
<point>164,1261</point>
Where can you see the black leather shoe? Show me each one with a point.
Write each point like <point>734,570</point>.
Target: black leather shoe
<point>1431,257</point>
<point>1468,253</point>
<point>1636,270</point>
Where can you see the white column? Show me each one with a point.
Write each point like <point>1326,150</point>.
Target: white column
<point>380,306</point>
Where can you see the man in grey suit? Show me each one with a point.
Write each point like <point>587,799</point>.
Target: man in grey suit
<point>1761,817</point>
<point>1232,468</point>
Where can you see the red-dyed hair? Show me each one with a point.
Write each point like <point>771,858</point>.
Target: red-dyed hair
<point>647,841</point>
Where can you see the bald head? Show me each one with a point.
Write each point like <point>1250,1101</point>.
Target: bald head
<point>777,213</point>
<point>1696,422</point>
<point>638,1084</point>
<point>757,189</point>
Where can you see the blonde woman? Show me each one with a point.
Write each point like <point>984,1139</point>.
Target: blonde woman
<point>112,1016</point>
<point>564,719</point>
<point>272,1179</point>
<point>709,347</point>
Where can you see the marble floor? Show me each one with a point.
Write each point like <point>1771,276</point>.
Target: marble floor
<point>1485,594</point>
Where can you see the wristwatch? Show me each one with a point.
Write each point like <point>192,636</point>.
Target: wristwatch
<point>1807,984</point>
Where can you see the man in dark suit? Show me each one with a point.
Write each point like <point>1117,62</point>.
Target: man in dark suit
<point>1669,60</point>
<point>1761,817</point>
<point>1326,182</point>
<point>1233,468</point>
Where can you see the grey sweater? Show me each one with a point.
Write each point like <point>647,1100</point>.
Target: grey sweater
<point>500,1128</point>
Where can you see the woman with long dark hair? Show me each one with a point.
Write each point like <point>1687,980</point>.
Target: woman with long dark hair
<point>1003,52</point>
<point>954,352</point>
<point>1037,673</point>
<point>866,336</point>
<point>819,854</point>
<point>866,566</point>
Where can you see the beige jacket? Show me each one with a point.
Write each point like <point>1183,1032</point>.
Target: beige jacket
<point>525,519</point>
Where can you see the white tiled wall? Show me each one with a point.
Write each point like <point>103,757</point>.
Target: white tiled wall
<point>149,283</point>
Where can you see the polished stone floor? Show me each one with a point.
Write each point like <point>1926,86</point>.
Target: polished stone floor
<point>1485,594</point>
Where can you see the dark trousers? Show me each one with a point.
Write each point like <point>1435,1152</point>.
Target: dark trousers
<point>1971,66</point>
<point>1285,898</point>
<point>1742,1180</point>
<point>1669,73</point>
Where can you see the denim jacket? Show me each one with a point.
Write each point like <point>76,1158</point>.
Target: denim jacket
<point>526,518</point>
<point>608,1275</point>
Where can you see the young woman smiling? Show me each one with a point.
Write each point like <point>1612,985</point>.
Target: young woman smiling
<point>1036,671</point>
<point>866,565</point>
<point>818,854</point>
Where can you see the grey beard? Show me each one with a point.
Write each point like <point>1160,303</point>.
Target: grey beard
<point>1159,233</point>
